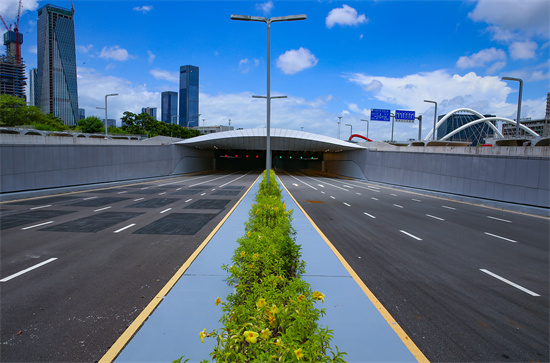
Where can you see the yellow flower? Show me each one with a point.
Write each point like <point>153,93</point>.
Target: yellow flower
<point>243,254</point>
<point>278,343</point>
<point>251,336</point>
<point>299,354</point>
<point>203,334</point>
<point>301,297</point>
<point>318,296</point>
<point>265,333</point>
<point>255,256</point>
<point>274,309</point>
<point>218,300</point>
<point>260,303</point>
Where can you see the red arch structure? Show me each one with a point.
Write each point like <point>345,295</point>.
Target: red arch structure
<point>360,136</point>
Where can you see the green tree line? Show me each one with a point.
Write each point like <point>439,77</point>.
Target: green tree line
<point>15,112</point>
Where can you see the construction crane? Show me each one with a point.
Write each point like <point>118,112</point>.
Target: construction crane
<point>16,31</point>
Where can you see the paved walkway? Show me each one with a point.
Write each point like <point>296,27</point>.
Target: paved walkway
<point>362,327</point>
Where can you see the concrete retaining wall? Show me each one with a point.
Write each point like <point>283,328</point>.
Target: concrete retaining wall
<point>514,179</point>
<point>32,166</point>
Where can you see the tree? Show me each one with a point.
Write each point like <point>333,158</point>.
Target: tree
<point>15,112</point>
<point>145,124</point>
<point>91,125</point>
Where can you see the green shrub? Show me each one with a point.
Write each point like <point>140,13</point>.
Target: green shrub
<point>271,316</point>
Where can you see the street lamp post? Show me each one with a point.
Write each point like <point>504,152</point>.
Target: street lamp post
<point>435,116</point>
<point>268,22</point>
<point>350,129</point>
<point>172,119</point>
<point>105,108</point>
<point>519,100</point>
<point>339,121</point>
<point>367,121</point>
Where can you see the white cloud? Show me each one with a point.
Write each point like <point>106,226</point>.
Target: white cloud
<point>245,65</point>
<point>484,94</point>
<point>84,49</point>
<point>346,15</point>
<point>93,86</point>
<point>481,58</point>
<point>294,61</point>
<point>33,49</point>
<point>529,17</point>
<point>143,9</point>
<point>164,75</point>
<point>523,50</point>
<point>266,7</point>
<point>152,57</point>
<point>9,8</point>
<point>116,53</point>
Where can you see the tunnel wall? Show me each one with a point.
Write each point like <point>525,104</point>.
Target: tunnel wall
<point>38,166</point>
<point>514,179</point>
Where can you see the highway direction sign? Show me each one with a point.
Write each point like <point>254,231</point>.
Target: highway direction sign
<point>379,115</point>
<point>404,116</point>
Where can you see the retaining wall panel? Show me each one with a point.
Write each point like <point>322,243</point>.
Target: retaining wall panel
<point>544,174</point>
<point>510,171</point>
<point>543,198</point>
<point>521,176</point>
<point>19,160</point>
<point>6,160</point>
<point>531,195</point>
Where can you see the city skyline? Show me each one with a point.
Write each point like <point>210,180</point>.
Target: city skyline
<point>345,59</point>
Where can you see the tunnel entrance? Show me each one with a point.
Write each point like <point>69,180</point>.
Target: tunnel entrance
<point>255,160</point>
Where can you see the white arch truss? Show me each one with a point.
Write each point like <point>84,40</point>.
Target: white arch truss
<point>481,119</point>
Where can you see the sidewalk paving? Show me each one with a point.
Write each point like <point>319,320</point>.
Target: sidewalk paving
<point>173,329</point>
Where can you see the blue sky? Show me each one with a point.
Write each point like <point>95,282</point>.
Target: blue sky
<point>345,59</point>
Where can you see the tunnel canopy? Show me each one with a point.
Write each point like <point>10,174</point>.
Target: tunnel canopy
<point>281,140</point>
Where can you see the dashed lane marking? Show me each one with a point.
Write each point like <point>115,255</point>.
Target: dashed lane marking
<point>166,210</point>
<point>369,215</point>
<point>451,208</point>
<point>42,206</point>
<point>499,219</point>
<point>504,238</point>
<point>123,228</point>
<point>28,269</point>
<point>37,225</point>
<point>99,210</point>
<point>398,206</point>
<point>509,282</point>
<point>347,204</point>
<point>434,217</point>
<point>410,235</point>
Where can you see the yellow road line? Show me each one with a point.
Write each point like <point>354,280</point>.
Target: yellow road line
<point>124,339</point>
<point>377,304</point>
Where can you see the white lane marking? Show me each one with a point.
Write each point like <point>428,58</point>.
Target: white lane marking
<point>504,238</point>
<point>99,210</point>
<point>370,215</point>
<point>213,189</point>
<point>322,192</point>
<point>37,225</point>
<point>179,189</point>
<point>347,186</point>
<point>203,194</point>
<point>295,184</point>
<point>28,269</point>
<point>444,206</point>
<point>347,204</point>
<point>357,193</point>
<point>509,282</point>
<point>417,200</point>
<point>373,198</point>
<point>166,210</point>
<point>398,206</point>
<point>395,195</point>
<point>89,198</point>
<point>434,217</point>
<point>373,190</point>
<point>180,181</point>
<point>321,185</point>
<point>162,193</point>
<point>223,185</point>
<point>148,187</point>
<point>137,200</point>
<point>332,197</point>
<point>123,228</point>
<point>370,186</point>
<point>188,200</point>
<point>125,191</point>
<point>211,180</point>
<point>42,206</point>
<point>499,219</point>
<point>411,235</point>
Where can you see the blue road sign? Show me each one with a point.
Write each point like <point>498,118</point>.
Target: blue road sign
<point>379,115</point>
<point>404,116</point>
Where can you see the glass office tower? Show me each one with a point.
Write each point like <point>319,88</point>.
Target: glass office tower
<point>169,106</point>
<point>189,96</point>
<point>56,84</point>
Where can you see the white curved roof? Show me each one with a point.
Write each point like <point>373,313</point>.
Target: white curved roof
<point>281,139</point>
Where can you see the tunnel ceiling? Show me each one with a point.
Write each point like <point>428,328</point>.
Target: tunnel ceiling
<point>281,140</point>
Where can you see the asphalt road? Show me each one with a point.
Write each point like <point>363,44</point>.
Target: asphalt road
<point>99,257</point>
<point>465,282</point>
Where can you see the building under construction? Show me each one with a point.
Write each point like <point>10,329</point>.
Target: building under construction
<point>12,67</point>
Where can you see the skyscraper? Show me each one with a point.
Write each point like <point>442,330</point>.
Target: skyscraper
<point>12,67</point>
<point>33,93</point>
<point>151,111</point>
<point>56,87</point>
<point>189,96</point>
<point>169,106</point>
